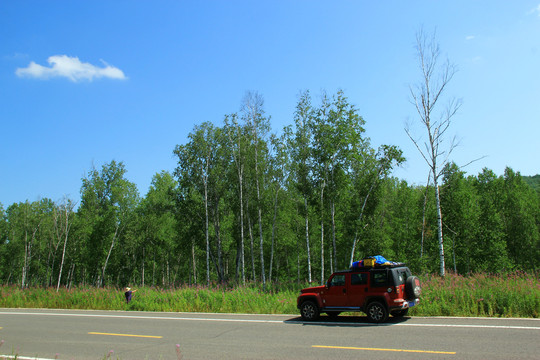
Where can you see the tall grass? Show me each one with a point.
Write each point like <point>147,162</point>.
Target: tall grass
<point>248,299</point>
<point>515,295</point>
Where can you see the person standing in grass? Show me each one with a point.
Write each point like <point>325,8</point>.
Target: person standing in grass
<point>128,294</point>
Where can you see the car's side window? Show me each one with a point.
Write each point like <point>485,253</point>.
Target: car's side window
<point>359,279</point>
<point>338,280</point>
<point>379,278</point>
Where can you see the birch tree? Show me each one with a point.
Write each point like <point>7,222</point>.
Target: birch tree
<point>3,242</point>
<point>426,96</point>
<point>279,161</point>
<point>258,125</point>
<point>24,225</point>
<point>238,147</point>
<point>299,144</point>
<point>108,200</point>
<point>195,161</point>
<point>63,220</point>
<point>338,146</point>
<point>159,224</point>
<point>373,169</point>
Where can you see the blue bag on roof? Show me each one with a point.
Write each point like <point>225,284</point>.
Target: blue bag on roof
<point>379,259</point>
<point>371,261</point>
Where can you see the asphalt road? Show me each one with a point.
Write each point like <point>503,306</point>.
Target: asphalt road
<point>69,334</point>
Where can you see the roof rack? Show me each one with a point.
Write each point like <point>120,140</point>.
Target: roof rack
<point>378,266</point>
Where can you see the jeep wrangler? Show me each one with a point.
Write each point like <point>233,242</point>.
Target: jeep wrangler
<point>377,291</point>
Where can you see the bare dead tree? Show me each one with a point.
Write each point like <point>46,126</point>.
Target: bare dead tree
<point>425,96</point>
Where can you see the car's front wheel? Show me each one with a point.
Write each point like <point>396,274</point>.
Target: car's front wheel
<point>376,312</point>
<point>309,310</point>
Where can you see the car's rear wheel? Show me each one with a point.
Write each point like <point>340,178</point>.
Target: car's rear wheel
<point>376,312</point>
<point>400,313</point>
<point>309,310</point>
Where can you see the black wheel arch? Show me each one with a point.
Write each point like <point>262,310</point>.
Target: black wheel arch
<point>308,298</point>
<point>371,299</point>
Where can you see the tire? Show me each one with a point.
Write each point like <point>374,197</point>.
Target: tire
<point>333,314</point>
<point>413,288</point>
<point>400,313</point>
<point>376,312</point>
<point>309,310</point>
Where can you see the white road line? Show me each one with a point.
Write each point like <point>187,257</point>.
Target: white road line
<point>475,326</point>
<point>421,325</point>
<point>22,357</point>
<point>146,317</point>
<point>512,327</point>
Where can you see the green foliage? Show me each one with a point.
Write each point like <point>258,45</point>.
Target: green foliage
<point>157,228</point>
<point>533,182</point>
<point>245,206</point>
<point>520,212</point>
<point>107,214</point>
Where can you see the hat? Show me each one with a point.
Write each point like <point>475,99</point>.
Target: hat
<point>128,288</point>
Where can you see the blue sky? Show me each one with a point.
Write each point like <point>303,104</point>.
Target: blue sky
<point>84,83</point>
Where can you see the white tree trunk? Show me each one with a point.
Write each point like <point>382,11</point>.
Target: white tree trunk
<point>307,241</point>
<point>440,233</point>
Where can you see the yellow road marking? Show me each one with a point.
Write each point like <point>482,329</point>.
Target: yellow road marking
<point>130,335</point>
<point>378,349</point>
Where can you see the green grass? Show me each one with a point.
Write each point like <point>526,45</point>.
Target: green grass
<point>513,295</point>
<point>249,299</point>
<point>516,295</point>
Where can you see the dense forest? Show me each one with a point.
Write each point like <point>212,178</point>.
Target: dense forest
<point>246,205</point>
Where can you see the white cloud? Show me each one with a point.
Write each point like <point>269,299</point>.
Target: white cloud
<point>71,68</point>
<point>470,37</point>
<point>535,10</point>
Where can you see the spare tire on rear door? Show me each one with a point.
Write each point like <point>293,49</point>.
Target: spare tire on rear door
<point>412,288</point>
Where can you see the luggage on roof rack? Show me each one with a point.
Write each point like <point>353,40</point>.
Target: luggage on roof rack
<point>374,261</point>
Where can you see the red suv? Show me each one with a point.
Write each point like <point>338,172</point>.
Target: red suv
<point>377,291</point>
